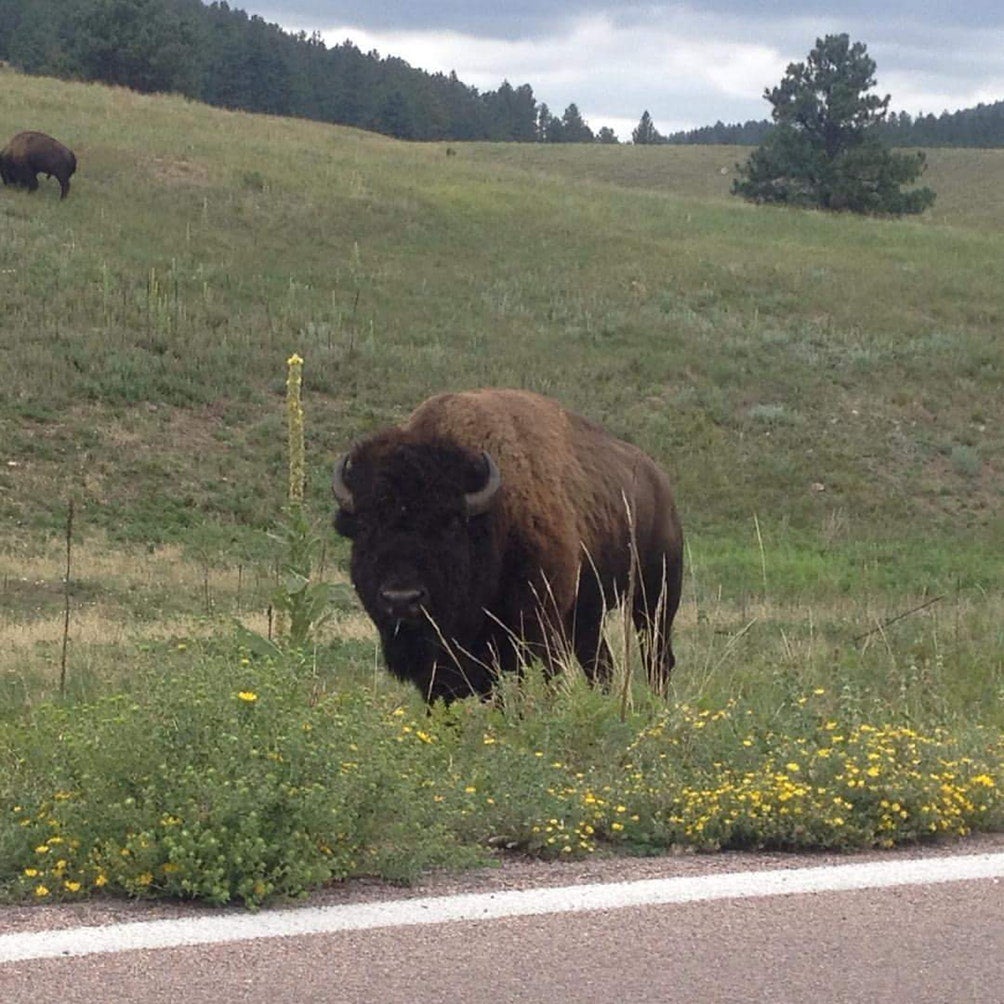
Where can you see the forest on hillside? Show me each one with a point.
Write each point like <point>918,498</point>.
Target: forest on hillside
<point>982,126</point>
<point>223,56</point>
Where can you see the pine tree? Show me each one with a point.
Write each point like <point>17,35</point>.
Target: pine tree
<point>545,124</point>
<point>826,149</point>
<point>645,131</point>
<point>574,128</point>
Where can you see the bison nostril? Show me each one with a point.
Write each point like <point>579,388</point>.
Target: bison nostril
<point>404,601</point>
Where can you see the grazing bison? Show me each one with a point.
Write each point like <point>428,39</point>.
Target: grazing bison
<point>30,154</point>
<point>494,524</point>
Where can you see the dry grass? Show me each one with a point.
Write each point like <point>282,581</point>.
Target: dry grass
<point>121,604</point>
<point>166,566</point>
<point>101,627</point>
<point>107,645</point>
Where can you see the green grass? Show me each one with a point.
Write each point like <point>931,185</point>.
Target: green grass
<point>825,391</point>
<point>148,318</point>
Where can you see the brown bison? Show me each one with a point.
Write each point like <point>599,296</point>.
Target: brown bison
<point>494,524</point>
<point>30,154</point>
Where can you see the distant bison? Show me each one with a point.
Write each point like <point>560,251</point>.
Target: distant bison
<point>494,524</point>
<point>30,154</point>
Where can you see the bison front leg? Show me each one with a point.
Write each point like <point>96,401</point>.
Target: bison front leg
<point>591,648</point>
<point>593,652</point>
<point>653,610</point>
<point>556,640</point>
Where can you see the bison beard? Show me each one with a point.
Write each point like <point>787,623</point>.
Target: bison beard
<point>493,526</point>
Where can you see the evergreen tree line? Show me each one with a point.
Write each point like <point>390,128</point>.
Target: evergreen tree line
<point>982,126</point>
<point>222,56</point>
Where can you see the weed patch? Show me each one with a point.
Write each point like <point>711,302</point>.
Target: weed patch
<point>227,779</point>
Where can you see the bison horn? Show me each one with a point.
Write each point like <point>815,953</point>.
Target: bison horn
<point>338,486</point>
<point>479,501</point>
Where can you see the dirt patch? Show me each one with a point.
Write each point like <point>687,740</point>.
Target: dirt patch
<point>177,171</point>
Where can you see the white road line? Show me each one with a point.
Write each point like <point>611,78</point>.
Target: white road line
<point>157,934</point>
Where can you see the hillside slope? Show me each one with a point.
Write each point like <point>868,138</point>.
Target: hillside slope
<point>803,367</point>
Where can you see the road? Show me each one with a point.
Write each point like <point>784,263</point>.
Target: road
<point>920,926</point>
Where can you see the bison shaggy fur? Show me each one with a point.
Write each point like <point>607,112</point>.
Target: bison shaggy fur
<point>30,154</point>
<point>495,525</point>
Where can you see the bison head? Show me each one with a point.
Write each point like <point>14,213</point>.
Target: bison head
<point>416,513</point>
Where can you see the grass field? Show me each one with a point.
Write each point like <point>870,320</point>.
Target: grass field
<point>825,391</point>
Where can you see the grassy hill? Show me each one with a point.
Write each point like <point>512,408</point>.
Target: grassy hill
<point>756,352</point>
<point>834,377</point>
<point>825,390</point>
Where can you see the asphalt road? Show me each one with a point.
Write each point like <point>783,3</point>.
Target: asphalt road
<point>936,941</point>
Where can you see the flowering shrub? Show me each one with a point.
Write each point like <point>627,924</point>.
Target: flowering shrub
<point>230,780</point>
<point>235,790</point>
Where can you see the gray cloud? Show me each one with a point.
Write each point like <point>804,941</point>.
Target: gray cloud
<point>510,20</point>
<point>532,18</point>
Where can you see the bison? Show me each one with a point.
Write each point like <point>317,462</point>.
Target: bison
<point>30,154</point>
<point>493,525</point>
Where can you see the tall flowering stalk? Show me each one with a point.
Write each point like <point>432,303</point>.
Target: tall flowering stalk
<point>301,605</point>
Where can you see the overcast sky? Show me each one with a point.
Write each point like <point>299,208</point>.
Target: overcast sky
<point>689,64</point>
